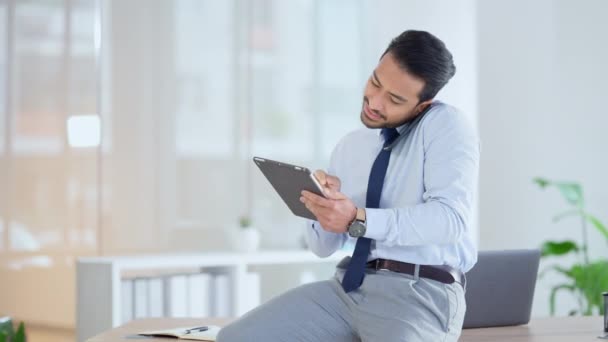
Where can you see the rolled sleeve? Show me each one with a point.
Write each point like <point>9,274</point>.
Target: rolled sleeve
<point>322,242</point>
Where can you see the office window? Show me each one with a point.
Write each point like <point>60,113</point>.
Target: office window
<point>171,132</point>
<point>82,66</point>
<point>53,186</point>
<point>306,70</point>
<point>281,51</point>
<point>3,76</point>
<point>281,63</point>
<point>82,186</point>
<point>341,75</point>
<point>205,77</point>
<point>38,88</point>
<point>195,93</point>
<point>3,118</point>
<point>206,119</point>
<point>37,112</point>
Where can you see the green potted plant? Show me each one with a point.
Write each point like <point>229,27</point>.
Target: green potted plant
<point>244,222</point>
<point>586,279</point>
<point>8,334</point>
<point>247,237</point>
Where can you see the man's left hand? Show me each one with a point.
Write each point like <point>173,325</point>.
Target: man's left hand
<point>334,213</point>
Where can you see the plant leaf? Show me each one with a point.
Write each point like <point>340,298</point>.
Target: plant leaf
<point>545,270</point>
<point>565,214</point>
<point>572,192</point>
<point>597,224</point>
<point>20,334</point>
<point>558,248</point>
<point>563,271</point>
<point>2,336</point>
<point>554,290</point>
<point>542,182</point>
<point>591,280</point>
<point>6,327</point>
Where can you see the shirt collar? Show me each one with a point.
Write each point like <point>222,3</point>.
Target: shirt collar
<point>400,129</point>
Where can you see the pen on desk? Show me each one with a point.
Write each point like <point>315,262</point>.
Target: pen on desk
<point>203,328</point>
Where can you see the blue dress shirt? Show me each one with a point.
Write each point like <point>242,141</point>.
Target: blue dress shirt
<point>426,207</point>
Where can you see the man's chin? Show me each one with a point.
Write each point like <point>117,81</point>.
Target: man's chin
<point>369,123</point>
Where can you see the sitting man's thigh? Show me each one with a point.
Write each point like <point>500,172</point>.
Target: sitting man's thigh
<point>312,312</point>
<point>399,308</point>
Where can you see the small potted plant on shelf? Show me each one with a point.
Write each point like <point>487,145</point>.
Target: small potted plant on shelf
<point>247,238</point>
<point>8,334</point>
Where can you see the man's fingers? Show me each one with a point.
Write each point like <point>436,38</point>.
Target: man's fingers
<point>335,195</point>
<point>320,212</point>
<point>320,175</point>
<point>327,180</point>
<point>320,201</point>
<point>315,199</point>
<point>312,208</point>
<point>333,181</point>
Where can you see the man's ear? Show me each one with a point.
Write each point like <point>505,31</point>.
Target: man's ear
<point>423,105</point>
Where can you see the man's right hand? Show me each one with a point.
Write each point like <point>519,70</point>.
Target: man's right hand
<point>331,184</point>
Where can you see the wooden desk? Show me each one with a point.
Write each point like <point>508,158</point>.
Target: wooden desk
<point>566,329</point>
<point>122,333</point>
<point>562,329</point>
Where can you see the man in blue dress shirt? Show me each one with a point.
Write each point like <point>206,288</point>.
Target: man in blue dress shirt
<point>403,188</point>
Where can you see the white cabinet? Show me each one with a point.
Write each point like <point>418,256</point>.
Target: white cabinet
<point>112,290</point>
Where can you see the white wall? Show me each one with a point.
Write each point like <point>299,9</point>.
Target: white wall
<point>542,81</point>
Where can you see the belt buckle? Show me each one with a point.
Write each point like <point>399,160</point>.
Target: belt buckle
<point>377,266</point>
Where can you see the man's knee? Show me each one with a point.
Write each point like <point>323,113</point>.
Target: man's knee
<point>238,332</point>
<point>229,333</point>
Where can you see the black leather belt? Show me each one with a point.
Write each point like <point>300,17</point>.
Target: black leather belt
<point>444,274</point>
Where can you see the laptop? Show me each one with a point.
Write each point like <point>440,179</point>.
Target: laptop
<point>500,288</point>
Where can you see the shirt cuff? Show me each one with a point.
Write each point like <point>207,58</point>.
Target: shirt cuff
<point>316,226</point>
<point>376,221</point>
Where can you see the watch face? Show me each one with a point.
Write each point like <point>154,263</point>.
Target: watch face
<point>357,229</point>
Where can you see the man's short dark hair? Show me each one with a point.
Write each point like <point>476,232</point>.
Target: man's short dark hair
<point>425,57</point>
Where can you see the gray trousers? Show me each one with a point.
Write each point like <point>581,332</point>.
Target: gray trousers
<point>387,307</point>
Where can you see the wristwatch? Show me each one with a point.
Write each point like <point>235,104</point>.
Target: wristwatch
<point>358,227</point>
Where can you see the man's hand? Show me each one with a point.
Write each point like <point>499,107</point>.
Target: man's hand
<point>328,182</point>
<point>334,213</point>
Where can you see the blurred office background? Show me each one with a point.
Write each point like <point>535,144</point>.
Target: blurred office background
<point>127,126</point>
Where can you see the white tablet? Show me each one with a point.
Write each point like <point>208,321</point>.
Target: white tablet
<point>289,181</point>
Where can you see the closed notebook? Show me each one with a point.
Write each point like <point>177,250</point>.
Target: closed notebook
<point>208,333</point>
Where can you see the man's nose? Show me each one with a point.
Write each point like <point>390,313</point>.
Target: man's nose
<point>375,103</point>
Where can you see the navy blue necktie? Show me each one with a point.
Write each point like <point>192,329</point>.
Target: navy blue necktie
<point>356,269</point>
